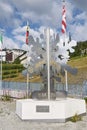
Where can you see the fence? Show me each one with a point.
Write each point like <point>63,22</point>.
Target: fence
<point>18,89</point>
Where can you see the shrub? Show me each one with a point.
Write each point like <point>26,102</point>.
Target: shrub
<point>85,99</point>
<point>6,72</point>
<point>20,70</point>
<point>76,118</point>
<point>5,76</point>
<point>17,60</point>
<point>13,76</point>
<point>12,66</point>
<point>13,71</point>
<point>6,98</point>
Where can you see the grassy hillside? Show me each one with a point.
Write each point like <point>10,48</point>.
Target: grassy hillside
<point>79,63</point>
<point>11,71</point>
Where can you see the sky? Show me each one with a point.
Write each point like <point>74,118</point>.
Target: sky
<point>40,14</point>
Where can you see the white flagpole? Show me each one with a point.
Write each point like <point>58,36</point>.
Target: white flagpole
<point>27,69</point>
<point>64,27</point>
<point>66,79</point>
<point>1,65</point>
<point>48,60</point>
<point>27,82</point>
<point>1,70</point>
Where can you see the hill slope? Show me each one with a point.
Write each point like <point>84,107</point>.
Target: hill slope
<point>79,63</point>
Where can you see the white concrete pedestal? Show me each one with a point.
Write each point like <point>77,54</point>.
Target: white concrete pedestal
<point>51,111</point>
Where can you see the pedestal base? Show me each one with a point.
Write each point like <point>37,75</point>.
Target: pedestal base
<point>50,111</point>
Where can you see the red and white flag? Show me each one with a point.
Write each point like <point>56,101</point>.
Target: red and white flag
<point>64,19</point>
<point>27,35</point>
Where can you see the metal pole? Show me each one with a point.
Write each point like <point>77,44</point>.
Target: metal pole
<point>48,60</point>
<point>27,76</point>
<point>27,83</point>
<point>1,70</point>
<point>1,64</point>
<point>27,42</point>
<point>66,80</point>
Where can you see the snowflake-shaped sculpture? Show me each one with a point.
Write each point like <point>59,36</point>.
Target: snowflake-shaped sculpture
<point>36,63</point>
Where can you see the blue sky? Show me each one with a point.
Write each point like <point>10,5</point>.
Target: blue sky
<point>40,14</point>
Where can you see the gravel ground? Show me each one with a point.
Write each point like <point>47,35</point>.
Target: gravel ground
<point>10,121</point>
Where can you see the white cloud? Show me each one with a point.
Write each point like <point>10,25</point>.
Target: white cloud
<point>6,13</point>
<point>82,4</point>
<point>9,43</point>
<point>20,33</point>
<point>20,38</point>
<point>6,8</point>
<point>79,32</point>
<point>19,30</point>
<point>46,13</point>
<point>81,16</point>
<point>69,12</point>
<point>38,6</point>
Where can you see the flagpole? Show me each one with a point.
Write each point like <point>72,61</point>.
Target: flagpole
<point>1,61</point>
<point>27,42</point>
<point>64,32</point>
<point>48,60</point>
<point>66,79</point>
<point>1,70</point>
<point>27,82</point>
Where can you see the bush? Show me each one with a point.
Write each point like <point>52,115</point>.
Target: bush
<point>76,118</point>
<point>5,76</point>
<point>85,99</point>
<point>12,66</point>
<point>13,71</point>
<point>6,72</point>
<point>17,60</point>
<point>13,76</point>
<point>20,70</point>
<point>6,98</point>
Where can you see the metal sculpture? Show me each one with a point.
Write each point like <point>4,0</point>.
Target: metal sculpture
<point>36,62</point>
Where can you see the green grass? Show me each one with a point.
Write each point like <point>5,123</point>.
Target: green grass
<point>11,71</point>
<point>78,62</point>
<point>81,64</point>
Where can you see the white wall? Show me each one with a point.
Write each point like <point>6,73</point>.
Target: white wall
<point>3,54</point>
